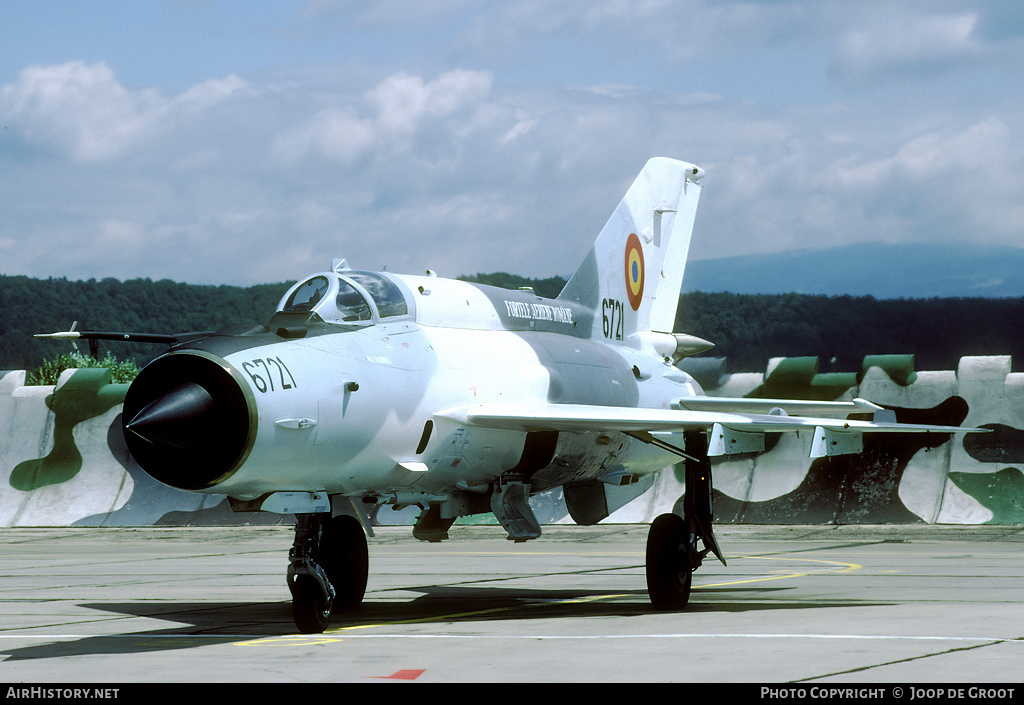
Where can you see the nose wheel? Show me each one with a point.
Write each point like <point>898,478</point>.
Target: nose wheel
<point>328,569</point>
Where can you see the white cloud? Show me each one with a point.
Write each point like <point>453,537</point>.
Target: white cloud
<point>519,129</point>
<point>335,134</point>
<point>896,44</point>
<point>388,117</point>
<point>78,109</point>
<point>953,156</point>
<point>402,102</point>
<point>121,236</point>
<point>490,143</point>
<point>83,110</point>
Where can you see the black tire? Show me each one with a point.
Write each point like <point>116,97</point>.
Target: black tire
<point>309,605</point>
<point>344,557</point>
<point>669,571</point>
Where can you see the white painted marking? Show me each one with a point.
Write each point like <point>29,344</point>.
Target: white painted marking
<point>337,636</point>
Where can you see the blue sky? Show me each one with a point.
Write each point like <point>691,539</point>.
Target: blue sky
<point>239,142</point>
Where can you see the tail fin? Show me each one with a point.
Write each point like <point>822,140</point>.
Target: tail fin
<point>632,276</point>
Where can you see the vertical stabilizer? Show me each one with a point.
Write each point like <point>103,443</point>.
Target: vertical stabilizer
<point>632,276</point>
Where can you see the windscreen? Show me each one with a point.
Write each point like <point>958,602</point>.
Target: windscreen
<point>307,295</point>
<point>387,296</point>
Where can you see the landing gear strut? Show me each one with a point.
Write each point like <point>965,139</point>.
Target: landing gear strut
<point>672,543</point>
<point>328,569</point>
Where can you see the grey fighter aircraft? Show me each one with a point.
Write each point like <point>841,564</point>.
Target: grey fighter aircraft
<point>372,388</point>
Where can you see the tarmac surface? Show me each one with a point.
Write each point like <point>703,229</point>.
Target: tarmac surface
<point>897,605</point>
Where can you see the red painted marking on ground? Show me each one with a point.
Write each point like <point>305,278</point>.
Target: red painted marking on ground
<point>409,674</point>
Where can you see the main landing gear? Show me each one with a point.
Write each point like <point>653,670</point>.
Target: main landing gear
<point>669,563</point>
<point>328,568</point>
<point>673,550</point>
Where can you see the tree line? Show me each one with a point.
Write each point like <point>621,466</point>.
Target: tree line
<point>841,330</point>
<point>29,306</point>
<point>748,330</point>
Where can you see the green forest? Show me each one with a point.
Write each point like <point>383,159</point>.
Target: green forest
<point>746,329</point>
<point>29,306</point>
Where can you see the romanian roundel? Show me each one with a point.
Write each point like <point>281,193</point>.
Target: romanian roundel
<point>634,271</point>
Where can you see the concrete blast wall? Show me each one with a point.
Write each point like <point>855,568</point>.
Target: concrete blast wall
<point>63,461</point>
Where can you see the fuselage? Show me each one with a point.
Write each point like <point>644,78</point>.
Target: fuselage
<point>340,392</point>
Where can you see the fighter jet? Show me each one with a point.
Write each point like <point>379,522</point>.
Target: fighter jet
<point>371,388</point>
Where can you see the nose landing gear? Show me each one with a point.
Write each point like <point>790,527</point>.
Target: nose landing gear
<point>328,569</point>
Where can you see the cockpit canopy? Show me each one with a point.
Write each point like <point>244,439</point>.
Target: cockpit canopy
<point>346,297</point>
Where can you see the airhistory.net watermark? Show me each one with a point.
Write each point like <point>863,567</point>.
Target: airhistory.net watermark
<point>53,693</point>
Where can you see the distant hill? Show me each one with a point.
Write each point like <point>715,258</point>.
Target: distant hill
<point>878,270</point>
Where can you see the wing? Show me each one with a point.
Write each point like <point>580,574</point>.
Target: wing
<point>123,337</point>
<point>74,335</point>
<point>731,432</point>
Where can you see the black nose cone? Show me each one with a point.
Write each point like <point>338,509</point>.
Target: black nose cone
<point>181,418</point>
<point>188,420</point>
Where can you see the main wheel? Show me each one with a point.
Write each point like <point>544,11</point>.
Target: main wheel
<point>669,571</point>
<point>310,608</point>
<point>344,557</point>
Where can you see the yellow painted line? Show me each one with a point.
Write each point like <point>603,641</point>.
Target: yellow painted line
<point>843,567</point>
<point>290,640</point>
